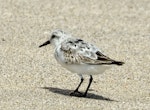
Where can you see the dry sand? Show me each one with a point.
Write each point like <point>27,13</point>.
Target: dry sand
<point>31,79</point>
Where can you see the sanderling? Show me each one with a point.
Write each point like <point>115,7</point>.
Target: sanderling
<point>79,57</point>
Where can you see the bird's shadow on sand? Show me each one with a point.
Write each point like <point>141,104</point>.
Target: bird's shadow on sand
<point>67,92</point>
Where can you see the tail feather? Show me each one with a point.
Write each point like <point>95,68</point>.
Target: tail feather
<point>118,62</point>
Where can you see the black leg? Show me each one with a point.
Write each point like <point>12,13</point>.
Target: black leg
<point>90,81</point>
<point>76,90</point>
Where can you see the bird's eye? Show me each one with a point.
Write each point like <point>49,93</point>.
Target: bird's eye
<point>53,36</point>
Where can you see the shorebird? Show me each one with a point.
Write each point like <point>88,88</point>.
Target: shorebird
<point>79,57</point>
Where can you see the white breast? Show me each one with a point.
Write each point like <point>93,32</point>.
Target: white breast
<point>59,56</point>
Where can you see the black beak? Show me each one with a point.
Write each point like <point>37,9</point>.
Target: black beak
<point>45,43</point>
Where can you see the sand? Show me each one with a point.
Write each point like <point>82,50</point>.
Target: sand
<point>30,77</point>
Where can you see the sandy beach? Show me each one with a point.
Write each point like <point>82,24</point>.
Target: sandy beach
<point>30,77</point>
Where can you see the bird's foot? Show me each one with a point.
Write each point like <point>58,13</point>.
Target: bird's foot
<point>77,94</point>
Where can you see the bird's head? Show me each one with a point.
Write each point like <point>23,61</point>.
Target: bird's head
<point>55,37</point>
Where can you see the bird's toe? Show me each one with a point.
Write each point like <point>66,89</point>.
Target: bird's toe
<point>77,94</point>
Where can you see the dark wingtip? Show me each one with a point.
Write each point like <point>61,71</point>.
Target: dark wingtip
<point>118,63</point>
<point>45,43</point>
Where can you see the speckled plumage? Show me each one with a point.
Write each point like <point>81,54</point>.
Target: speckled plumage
<point>79,56</point>
<point>76,51</point>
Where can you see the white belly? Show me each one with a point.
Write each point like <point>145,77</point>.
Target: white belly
<point>87,69</point>
<point>81,68</point>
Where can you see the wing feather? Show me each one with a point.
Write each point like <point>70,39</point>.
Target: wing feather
<point>76,51</point>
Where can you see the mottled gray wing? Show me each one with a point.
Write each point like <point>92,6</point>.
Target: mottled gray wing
<point>76,51</point>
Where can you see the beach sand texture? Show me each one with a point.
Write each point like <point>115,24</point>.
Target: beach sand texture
<point>30,77</point>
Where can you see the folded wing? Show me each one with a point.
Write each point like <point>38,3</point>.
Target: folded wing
<point>76,51</point>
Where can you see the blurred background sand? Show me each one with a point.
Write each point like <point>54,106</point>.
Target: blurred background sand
<point>31,79</point>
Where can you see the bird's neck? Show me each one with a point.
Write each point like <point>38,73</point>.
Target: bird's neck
<point>55,43</point>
